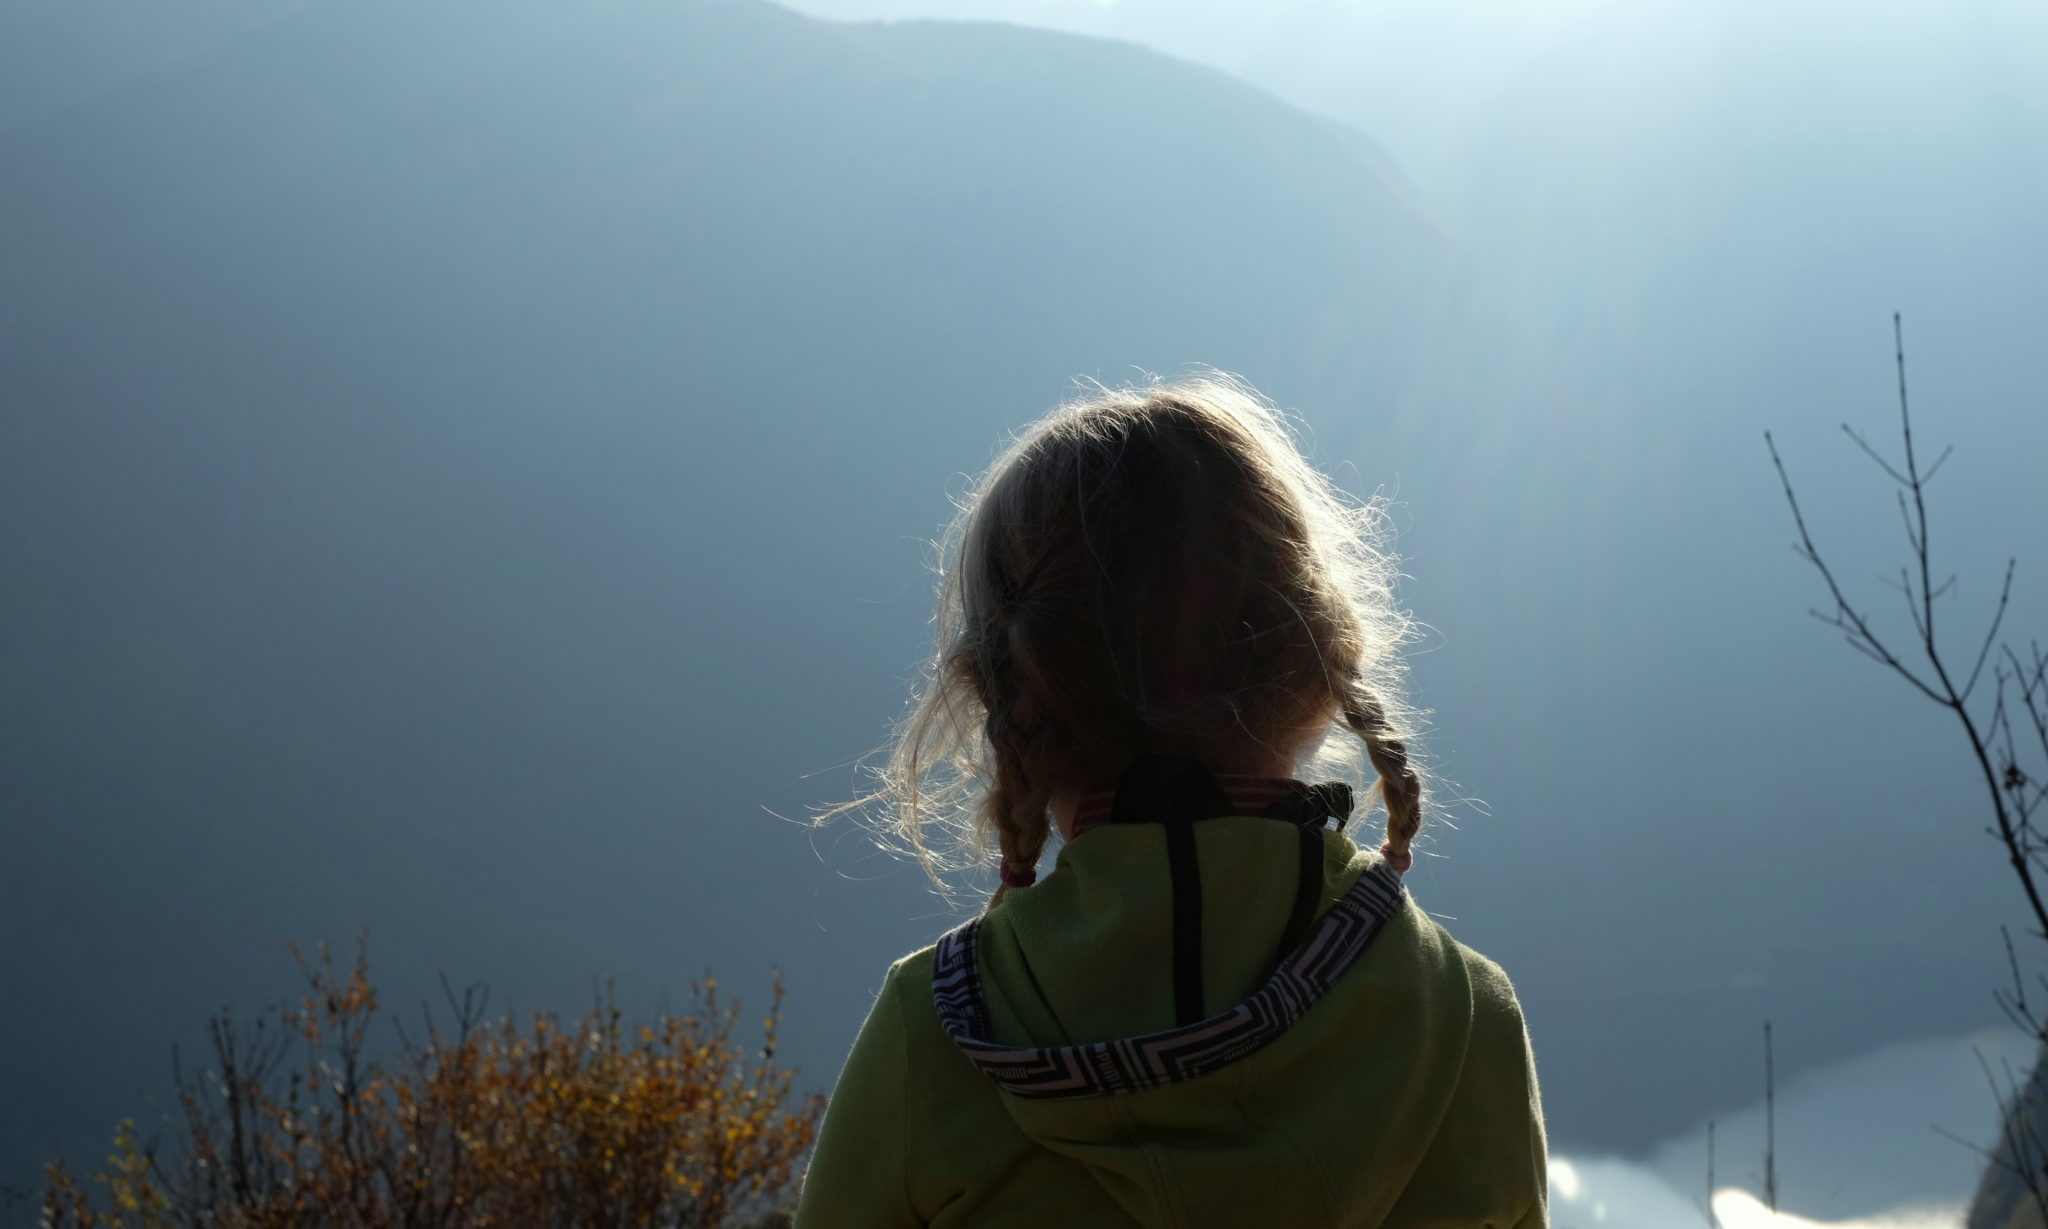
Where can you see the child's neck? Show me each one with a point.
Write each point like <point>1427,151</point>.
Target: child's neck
<point>1067,807</point>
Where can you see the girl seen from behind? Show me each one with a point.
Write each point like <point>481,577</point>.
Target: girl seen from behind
<point>1156,623</point>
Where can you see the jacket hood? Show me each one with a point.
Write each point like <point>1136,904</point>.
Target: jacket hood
<point>1063,996</point>
<point>1394,1092</point>
<point>1200,1042</point>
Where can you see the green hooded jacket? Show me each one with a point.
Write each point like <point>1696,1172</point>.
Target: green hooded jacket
<point>1399,1095</point>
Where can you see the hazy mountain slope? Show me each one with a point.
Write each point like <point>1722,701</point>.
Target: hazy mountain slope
<point>464,461</point>
<point>55,54</point>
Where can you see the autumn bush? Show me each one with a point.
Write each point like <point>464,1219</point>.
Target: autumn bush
<point>478,1122</point>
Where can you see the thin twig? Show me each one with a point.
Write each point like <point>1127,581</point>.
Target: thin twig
<point>1770,1126</point>
<point>1847,616</point>
<point>1991,635</point>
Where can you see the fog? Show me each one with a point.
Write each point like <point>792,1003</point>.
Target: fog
<point>469,471</point>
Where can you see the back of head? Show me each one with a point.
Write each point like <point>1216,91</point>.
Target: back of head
<point>1149,569</point>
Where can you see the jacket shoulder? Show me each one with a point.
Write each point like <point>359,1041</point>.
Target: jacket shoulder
<point>913,971</point>
<point>907,988</point>
<point>1493,992</point>
<point>860,1169</point>
<point>1491,1139</point>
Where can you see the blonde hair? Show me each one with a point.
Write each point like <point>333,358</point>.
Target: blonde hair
<point>1148,568</point>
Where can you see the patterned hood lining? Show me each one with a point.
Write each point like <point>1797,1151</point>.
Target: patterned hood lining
<point>1155,1059</point>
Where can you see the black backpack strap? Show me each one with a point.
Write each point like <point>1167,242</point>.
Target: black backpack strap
<point>1307,810</point>
<point>1175,792</point>
<point>1308,888</point>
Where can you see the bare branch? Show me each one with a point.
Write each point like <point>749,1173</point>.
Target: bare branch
<point>2010,1155</point>
<point>1989,1156</point>
<point>1920,541</point>
<point>1906,518</point>
<point>2038,1028</point>
<point>1851,619</point>
<point>1913,604</point>
<point>2013,792</point>
<point>1874,455</point>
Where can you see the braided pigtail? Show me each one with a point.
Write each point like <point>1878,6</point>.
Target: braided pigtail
<point>1016,810</point>
<point>1400,789</point>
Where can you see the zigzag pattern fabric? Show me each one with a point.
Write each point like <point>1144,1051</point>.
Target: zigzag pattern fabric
<point>1153,1059</point>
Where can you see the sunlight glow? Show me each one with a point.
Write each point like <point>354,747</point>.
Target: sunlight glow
<point>1564,1178</point>
<point>1738,1209</point>
<point>1594,1191</point>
